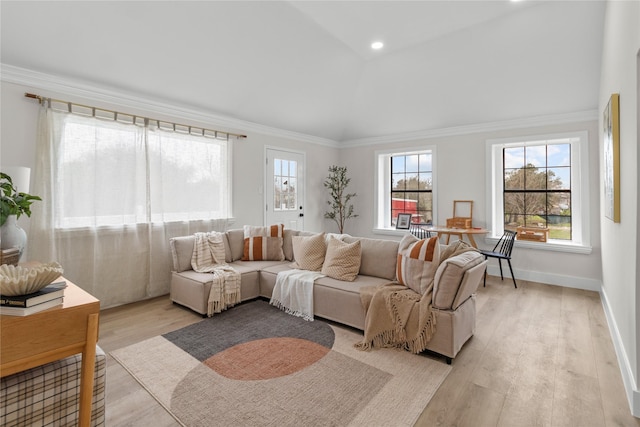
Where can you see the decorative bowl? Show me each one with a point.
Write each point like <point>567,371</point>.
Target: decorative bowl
<point>18,280</point>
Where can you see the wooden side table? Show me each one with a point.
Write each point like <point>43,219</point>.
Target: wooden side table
<point>469,232</point>
<point>30,341</point>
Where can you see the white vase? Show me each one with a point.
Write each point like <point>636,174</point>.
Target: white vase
<point>12,236</point>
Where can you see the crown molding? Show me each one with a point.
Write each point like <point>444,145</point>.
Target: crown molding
<point>79,88</point>
<point>96,93</point>
<point>538,121</point>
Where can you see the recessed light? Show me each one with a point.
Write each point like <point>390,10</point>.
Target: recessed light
<point>377,45</point>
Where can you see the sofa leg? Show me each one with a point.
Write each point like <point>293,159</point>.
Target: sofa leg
<point>448,359</point>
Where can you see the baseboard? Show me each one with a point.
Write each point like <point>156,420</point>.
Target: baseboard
<point>585,283</point>
<point>630,386</point>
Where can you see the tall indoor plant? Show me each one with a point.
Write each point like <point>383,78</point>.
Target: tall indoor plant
<point>12,205</point>
<point>341,210</point>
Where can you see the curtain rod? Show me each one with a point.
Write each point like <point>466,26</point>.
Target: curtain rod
<point>42,99</point>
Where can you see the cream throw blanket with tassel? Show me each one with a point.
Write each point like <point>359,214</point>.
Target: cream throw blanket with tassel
<point>400,317</point>
<point>293,292</point>
<point>209,257</point>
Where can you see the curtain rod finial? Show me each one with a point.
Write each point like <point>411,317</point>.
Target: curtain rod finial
<point>34,96</point>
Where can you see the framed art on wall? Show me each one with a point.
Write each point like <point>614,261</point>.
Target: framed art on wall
<point>404,221</point>
<point>611,137</point>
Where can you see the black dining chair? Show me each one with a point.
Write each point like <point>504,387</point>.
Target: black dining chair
<point>417,230</point>
<point>502,250</point>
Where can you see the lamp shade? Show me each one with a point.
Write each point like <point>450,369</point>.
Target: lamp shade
<point>20,175</point>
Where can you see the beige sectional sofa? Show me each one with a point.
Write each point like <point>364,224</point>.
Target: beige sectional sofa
<point>456,282</point>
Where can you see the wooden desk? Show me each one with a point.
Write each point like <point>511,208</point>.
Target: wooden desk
<point>56,333</point>
<point>469,232</point>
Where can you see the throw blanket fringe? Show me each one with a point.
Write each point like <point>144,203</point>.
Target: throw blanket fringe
<point>397,317</point>
<point>293,292</point>
<point>208,257</point>
<point>225,290</point>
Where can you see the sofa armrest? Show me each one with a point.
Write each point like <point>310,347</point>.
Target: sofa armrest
<point>470,282</point>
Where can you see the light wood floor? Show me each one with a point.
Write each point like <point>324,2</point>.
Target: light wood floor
<point>541,356</point>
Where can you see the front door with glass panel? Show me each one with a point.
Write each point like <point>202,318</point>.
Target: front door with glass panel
<point>284,188</point>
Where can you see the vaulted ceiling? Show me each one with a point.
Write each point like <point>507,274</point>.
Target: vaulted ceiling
<point>307,66</point>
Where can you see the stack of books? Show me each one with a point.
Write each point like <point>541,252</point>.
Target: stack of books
<point>23,305</point>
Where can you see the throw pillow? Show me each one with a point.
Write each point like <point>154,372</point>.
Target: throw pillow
<point>263,243</point>
<point>309,252</point>
<point>417,262</point>
<point>263,248</point>
<point>342,261</point>
<point>276,230</point>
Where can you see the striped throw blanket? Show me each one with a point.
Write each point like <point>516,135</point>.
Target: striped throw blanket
<point>209,257</point>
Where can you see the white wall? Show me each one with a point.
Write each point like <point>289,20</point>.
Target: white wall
<point>461,175</point>
<point>620,243</point>
<point>248,178</point>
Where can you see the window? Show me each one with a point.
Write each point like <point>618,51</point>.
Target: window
<point>405,185</point>
<point>541,182</point>
<point>112,173</point>
<point>285,185</point>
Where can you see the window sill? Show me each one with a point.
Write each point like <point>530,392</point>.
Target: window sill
<point>551,245</point>
<point>389,232</point>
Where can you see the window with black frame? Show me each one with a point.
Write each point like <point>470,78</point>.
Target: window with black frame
<point>412,187</point>
<point>537,188</point>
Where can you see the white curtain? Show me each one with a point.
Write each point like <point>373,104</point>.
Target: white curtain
<point>114,194</point>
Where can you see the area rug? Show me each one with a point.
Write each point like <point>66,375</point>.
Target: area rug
<point>255,365</point>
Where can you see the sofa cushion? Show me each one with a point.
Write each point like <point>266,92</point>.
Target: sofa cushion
<point>449,276</point>
<point>181,252</point>
<point>342,260</point>
<point>417,262</point>
<point>378,257</point>
<point>236,244</point>
<point>287,244</point>
<point>263,248</point>
<point>309,252</point>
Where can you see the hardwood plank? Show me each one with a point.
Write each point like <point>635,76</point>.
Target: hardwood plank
<point>435,414</point>
<point>576,400</point>
<point>477,406</point>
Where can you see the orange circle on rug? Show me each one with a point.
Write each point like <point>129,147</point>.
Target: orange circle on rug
<point>266,358</point>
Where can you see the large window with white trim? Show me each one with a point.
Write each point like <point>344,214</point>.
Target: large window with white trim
<point>405,184</point>
<point>539,186</point>
<point>111,173</point>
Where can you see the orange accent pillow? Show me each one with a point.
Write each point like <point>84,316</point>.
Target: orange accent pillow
<point>417,262</point>
<point>263,248</point>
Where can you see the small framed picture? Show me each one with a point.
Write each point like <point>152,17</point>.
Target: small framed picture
<point>404,221</point>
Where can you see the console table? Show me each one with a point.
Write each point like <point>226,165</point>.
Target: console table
<point>53,334</point>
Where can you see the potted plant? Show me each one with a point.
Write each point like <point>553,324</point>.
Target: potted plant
<point>337,183</point>
<point>12,205</point>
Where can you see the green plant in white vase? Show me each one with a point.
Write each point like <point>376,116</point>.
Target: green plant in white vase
<point>341,209</point>
<point>12,205</point>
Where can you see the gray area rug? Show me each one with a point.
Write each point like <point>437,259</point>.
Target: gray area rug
<point>254,365</point>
